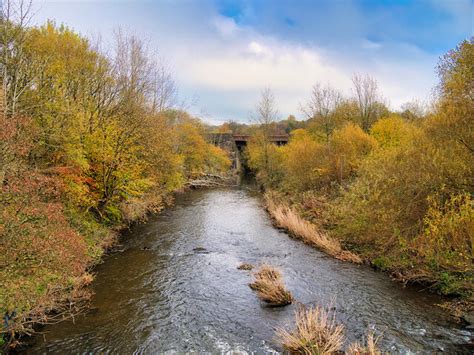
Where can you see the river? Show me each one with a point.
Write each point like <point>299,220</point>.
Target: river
<point>174,287</point>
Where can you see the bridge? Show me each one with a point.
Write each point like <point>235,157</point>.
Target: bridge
<point>242,139</point>
<point>226,140</point>
<point>235,143</point>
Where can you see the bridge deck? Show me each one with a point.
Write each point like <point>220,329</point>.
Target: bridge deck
<point>273,138</point>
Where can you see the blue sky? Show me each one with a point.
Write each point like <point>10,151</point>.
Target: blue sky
<point>223,52</point>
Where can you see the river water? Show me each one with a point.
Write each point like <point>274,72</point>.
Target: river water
<point>175,287</point>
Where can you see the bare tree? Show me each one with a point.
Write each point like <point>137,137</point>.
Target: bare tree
<point>266,115</point>
<point>365,89</point>
<point>165,90</point>
<point>414,110</point>
<point>15,67</point>
<point>321,107</point>
<point>266,111</point>
<point>133,70</point>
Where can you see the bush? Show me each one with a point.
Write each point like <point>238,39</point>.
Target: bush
<point>391,131</point>
<point>349,146</point>
<point>304,162</point>
<point>265,158</point>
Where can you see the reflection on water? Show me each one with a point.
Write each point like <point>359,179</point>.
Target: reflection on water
<point>175,287</point>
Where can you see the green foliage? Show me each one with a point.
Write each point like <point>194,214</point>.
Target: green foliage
<point>381,262</point>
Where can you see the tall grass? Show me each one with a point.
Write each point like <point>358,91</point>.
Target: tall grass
<point>316,332</point>
<point>288,219</point>
<point>370,347</point>
<point>270,288</point>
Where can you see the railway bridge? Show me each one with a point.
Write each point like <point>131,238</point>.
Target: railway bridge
<point>235,143</point>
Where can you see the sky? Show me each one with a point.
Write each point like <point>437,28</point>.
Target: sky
<point>222,53</point>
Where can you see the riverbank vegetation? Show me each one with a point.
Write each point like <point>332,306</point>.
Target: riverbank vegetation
<point>393,187</point>
<point>91,140</point>
<point>289,220</point>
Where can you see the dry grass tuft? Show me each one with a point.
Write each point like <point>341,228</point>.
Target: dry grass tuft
<point>288,219</point>
<point>245,266</point>
<point>268,272</point>
<point>370,348</point>
<point>316,332</point>
<point>269,286</point>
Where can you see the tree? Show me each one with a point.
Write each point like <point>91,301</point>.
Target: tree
<point>266,115</point>
<point>414,110</point>
<point>366,96</point>
<point>456,90</point>
<point>321,108</point>
<point>266,111</point>
<point>164,89</point>
<point>16,68</point>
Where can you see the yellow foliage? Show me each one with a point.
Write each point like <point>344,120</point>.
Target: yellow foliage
<point>266,159</point>
<point>305,162</point>
<point>447,238</point>
<point>391,131</point>
<point>349,146</point>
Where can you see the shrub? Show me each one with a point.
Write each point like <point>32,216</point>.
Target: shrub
<point>304,162</point>
<point>265,159</point>
<point>391,131</point>
<point>349,146</point>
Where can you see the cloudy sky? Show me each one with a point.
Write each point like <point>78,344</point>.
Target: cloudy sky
<point>222,52</point>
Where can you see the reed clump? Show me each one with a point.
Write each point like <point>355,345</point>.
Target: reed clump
<point>270,288</point>
<point>316,332</point>
<point>245,266</point>
<point>288,219</point>
<point>369,348</point>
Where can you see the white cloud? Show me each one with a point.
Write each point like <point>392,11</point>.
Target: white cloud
<point>234,71</point>
<point>367,44</point>
<point>225,26</point>
<point>226,64</point>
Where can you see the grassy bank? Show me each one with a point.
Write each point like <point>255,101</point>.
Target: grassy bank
<point>288,219</point>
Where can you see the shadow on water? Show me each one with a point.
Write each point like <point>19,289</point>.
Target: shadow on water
<point>175,287</point>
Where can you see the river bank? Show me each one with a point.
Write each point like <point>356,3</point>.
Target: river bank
<point>174,286</point>
<point>290,220</point>
<point>89,242</point>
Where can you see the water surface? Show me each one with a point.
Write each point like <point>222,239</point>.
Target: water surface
<point>175,287</point>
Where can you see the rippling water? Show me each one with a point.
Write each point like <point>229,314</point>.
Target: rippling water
<point>175,287</point>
